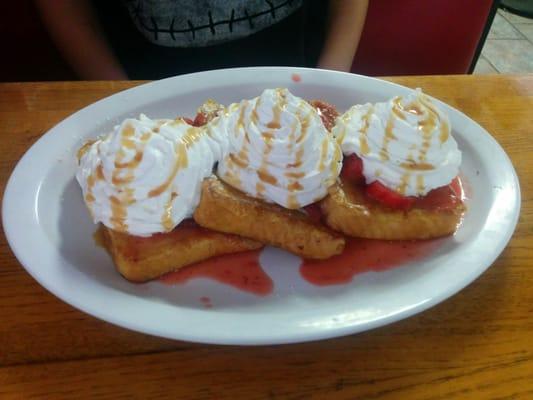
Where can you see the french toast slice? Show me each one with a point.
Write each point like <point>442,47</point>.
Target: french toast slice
<point>348,210</point>
<point>225,209</point>
<point>139,259</point>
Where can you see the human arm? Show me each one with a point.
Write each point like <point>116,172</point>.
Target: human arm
<point>75,30</point>
<point>345,22</point>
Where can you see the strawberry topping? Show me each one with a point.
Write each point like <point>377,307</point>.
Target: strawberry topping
<point>388,197</point>
<point>352,169</point>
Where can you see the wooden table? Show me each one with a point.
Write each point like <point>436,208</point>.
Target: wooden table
<point>478,344</point>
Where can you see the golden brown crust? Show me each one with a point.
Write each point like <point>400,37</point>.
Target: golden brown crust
<point>225,209</point>
<point>346,209</point>
<point>140,259</point>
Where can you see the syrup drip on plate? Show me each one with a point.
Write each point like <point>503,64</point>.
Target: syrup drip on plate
<point>240,270</point>
<point>364,255</point>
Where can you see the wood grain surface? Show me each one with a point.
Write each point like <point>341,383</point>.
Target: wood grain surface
<point>476,345</point>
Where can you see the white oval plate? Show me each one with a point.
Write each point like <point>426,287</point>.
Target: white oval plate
<point>50,232</point>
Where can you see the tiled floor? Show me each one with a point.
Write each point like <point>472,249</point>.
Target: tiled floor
<point>509,46</point>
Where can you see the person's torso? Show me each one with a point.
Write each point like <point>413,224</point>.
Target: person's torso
<point>200,23</point>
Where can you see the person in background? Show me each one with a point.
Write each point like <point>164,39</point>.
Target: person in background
<point>152,39</point>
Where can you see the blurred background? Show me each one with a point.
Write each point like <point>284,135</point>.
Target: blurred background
<point>401,37</point>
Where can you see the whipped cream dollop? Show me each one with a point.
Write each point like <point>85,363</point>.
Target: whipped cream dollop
<point>145,176</point>
<point>279,150</point>
<point>404,143</point>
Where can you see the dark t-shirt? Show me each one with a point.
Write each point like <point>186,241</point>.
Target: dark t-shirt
<point>156,39</point>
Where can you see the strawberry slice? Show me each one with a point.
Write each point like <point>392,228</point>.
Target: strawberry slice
<point>328,113</point>
<point>188,120</point>
<point>389,197</point>
<point>200,120</point>
<point>443,198</point>
<point>457,186</point>
<point>313,212</point>
<point>352,169</point>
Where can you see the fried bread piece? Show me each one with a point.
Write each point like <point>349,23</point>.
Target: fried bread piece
<point>140,259</point>
<point>347,209</point>
<point>225,209</point>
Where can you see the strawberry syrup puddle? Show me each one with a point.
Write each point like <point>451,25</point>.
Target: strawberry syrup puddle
<point>365,255</point>
<point>240,270</point>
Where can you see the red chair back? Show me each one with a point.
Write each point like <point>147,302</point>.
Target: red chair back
<point>413,37</point>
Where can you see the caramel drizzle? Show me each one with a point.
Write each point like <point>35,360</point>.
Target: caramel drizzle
<point>147,135</point>
<point>186,141</point>
<point>444,131</point>
<point>265,176</point>
<point>182,161</point>
<point>412,166</point>
<point>363,132</point>
<point>414,108</point>
<point>231,176</point>
<point>298,159</point>
<point>84,149</point>
<point>262,172</point>
<point>122,175</point>
<point>404,182</point>
<point>127,176</point>
<point>426,126</point>
<point>118,214</point>
<point>292,134</point>
<point>276,118</point>
<point>304,129</point>
<point>397,108</point>
<point>295,175</point>
<point>123,172</point>
<point>384,152</point>
<point>295,186</point>
<point>292,202</point>
<point>133,163</point>
<point>268,138</point>
<point>241,158</point>
<point>128,144</point>
<point>323,155</point>
<point>100,172</point>
<point>119,209</point>
<point>97,175</point>
<point>341,136</point>
<point>305,121</point>
<point>260,189</point>
<point>128,131</point>
<point>121,181</point>
<point>255,116</point>
<point>166,220</point>
<point>420,184</point>
<point>336,163</point>
<point>240,121</point>
<point>91,181</point>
